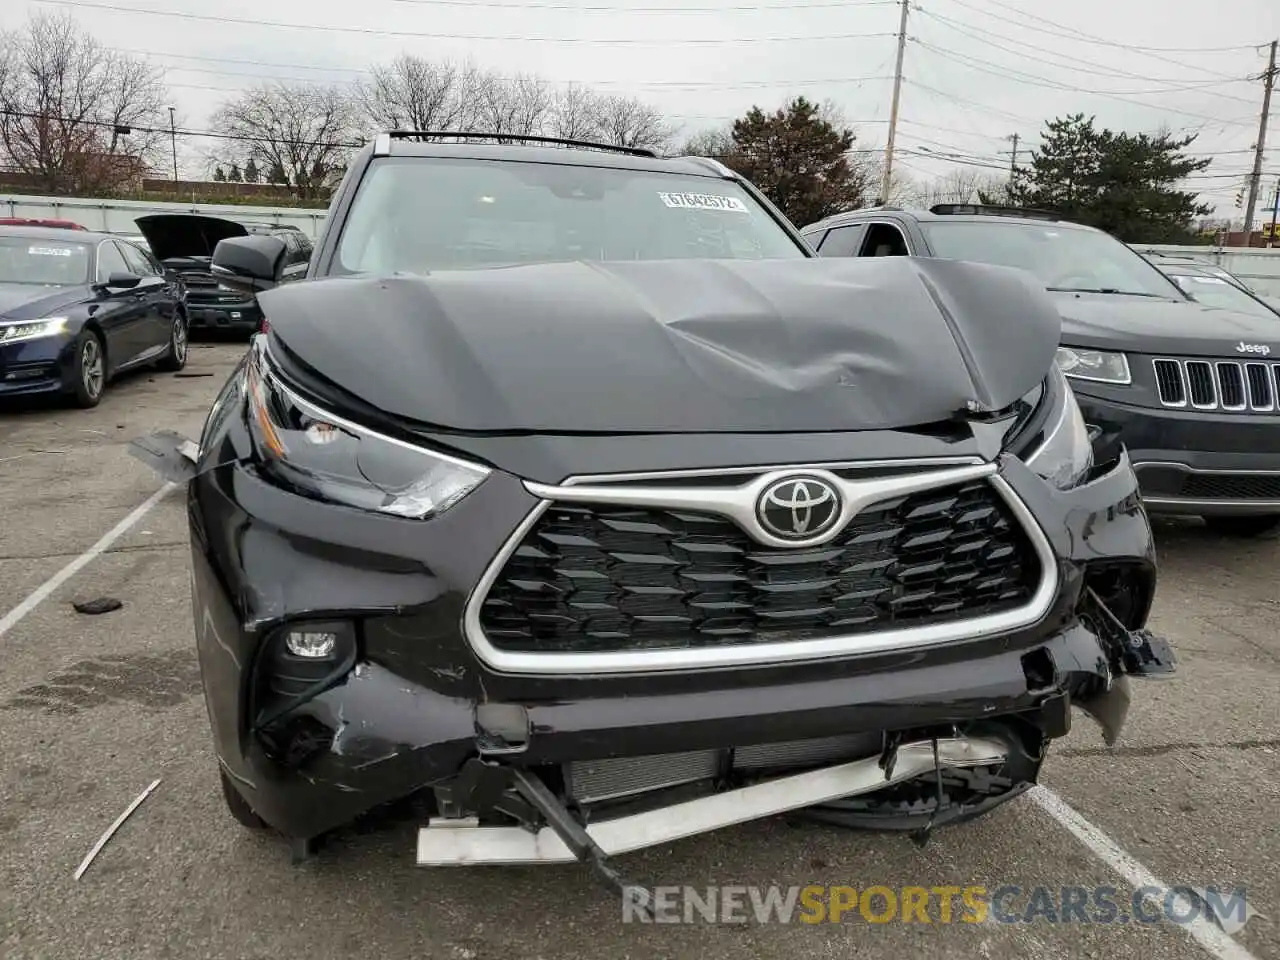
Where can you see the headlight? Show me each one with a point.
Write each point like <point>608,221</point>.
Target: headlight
<point>1096,365</point>
<point>32,329</point>
<point>1066,455</point>
<point>321,456</point>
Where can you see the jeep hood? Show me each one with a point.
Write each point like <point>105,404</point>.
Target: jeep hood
<point>677,346</point>
<point>1148,325</point>
<point>186,234</point>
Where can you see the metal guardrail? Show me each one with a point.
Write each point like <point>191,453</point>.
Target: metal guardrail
<point>117,216</point>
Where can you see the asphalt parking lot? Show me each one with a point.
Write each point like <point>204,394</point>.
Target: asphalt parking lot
<point>94,708</point>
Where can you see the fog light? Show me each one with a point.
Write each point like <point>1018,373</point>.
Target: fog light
<point>312,644</point>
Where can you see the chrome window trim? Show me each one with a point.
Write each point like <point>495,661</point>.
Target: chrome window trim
<point>739,503</point>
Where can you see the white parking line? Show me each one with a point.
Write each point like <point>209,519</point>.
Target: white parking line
<point>1212,938</point>
<point>42,592</point>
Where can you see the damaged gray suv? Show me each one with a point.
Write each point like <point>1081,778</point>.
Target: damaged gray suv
<point>570,493</point>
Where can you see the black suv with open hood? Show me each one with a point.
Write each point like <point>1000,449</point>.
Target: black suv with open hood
<point>184,243</point>
<point>571,493</point>
<point>1189,389</point>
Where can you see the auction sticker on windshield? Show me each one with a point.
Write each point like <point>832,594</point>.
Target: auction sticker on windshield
<point>49,251</point>
<point>703,201</point>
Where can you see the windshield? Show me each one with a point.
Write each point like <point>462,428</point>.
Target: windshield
<point>1216,292</point>
<point>414,215</point>
<point>1064,258</point>
<point>43,262</point>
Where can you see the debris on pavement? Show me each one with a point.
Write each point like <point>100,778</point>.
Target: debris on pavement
<point>95,607</point>
<point>102,841</point>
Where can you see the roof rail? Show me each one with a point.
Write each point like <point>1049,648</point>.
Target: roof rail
<point>990,210</point>
<point>382,146</point>
<point>710,162</point>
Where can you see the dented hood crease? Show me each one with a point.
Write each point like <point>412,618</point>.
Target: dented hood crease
<point>685,346</point>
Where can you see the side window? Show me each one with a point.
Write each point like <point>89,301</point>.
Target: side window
<point>110,261</point>
<point>884,240</point>
<point>813,238</point>
<point>136,261</point>
<point>842,241</point>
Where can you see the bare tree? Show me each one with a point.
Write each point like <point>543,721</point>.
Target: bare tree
<point>305,132</point>
<point>75,116</point>
<point>575,113</point>
<point>416,94</point>
<point>628,122</point>
<point>519,105</point>
<point>958,185</point>
<point>716,143</point>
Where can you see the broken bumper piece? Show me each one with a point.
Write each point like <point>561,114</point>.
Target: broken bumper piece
<point>456,843</point>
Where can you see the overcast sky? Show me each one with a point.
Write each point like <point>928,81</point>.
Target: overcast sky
<point>976,71</point>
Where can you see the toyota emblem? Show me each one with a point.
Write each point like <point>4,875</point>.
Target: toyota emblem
<point>798,508</point>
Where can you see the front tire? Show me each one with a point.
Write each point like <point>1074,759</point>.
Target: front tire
<point>90,370</point>
<point>175,357</point>
<point>1265,525</point>
<point>237,806</point>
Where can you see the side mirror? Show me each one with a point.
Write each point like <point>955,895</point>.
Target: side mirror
<point>249,264</point>
<point>120,280</point>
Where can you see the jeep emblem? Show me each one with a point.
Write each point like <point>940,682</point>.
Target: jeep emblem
<point>1259,348</point>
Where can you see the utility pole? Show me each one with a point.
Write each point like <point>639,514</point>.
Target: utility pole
<point>1275,211</point>
<point>173,138</point>
<point>893,110</point>
<point>1255,178</point>
<point>1013,162</point>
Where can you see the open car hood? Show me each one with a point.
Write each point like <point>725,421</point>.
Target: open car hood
<point>186,234</point>
<point>677,346</point>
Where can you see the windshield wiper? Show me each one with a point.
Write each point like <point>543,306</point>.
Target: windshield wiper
<point>1108,290</point>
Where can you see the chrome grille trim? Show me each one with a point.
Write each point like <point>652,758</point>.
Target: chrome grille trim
<point>738,501</point>
<point>1229,386</point>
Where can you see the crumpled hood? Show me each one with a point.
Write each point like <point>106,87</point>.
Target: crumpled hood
<point>1144,325</point>
<point>23,301</point>
<point>679,346</point>
<point>186,234</point>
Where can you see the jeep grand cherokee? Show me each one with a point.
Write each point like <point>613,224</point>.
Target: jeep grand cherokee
<point>571,493</point>
<point>1192,391</point>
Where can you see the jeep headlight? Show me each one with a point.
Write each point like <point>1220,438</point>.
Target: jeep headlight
<point>1065,456</point>
<point>1100,366</point>
<point>316,454</point>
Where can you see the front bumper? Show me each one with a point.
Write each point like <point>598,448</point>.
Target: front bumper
<point>419,703</point>
<point>1191,461</point>
<point>37,367</point>
<point>232,315</point>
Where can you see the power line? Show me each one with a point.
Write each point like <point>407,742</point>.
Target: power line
<point>1007,73</point>
<point>1080,36</point>
<point>985,37</point>
<point>576,8</point>
<point>643,84</point>
<point>614,41</point>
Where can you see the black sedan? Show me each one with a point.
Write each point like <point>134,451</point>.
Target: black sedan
<point>77,309</point>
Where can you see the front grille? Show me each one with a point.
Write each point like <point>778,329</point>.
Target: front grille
<point>1231,386</point>
<point>1231,486</point>
<point>603,578</point>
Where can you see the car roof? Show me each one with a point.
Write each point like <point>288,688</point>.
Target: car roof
<point>55,233</point>
<point>565,155</point>
<point>928,216</point>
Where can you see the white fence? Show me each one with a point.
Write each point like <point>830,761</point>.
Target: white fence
<point>117,216</point>
<point>1258,267</point>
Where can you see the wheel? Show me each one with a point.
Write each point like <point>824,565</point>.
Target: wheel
<point>1261,526</point>
<point>90,370</point>
<point>175,358</point>
<point>237,805</point>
